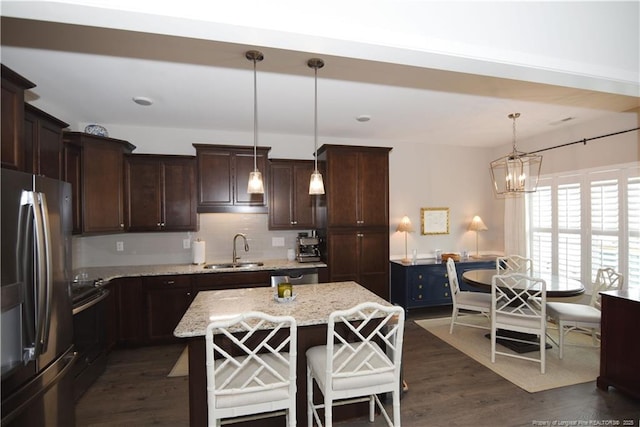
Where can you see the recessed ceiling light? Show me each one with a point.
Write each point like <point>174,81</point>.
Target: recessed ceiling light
<point>363,118</point>
<point>566,119</point>
<point>142,100</point>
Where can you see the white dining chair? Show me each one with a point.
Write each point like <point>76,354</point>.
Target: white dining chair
<point>581,317</point>
<point>514,264</point>
<point>479,302</point>
<point>514,307</point>
<point>251,368</point>
<point>360,360</point>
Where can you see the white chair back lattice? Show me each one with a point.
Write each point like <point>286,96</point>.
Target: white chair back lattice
<point>607,279</point>
<point>360,361</point>
<point>251,367</point>
<point>514,264</point>
<point>518,303</point>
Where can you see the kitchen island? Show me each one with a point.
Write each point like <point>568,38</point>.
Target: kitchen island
<point>311,309</point>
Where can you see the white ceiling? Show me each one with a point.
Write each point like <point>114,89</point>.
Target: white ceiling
<point>426,72</point>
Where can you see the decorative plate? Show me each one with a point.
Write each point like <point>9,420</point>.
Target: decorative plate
<point>96,130</point>
<point>285,299</point>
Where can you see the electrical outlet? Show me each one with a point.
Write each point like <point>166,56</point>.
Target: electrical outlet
<point>119,246</point>
<point>186,243</point>
<point>277,241</point>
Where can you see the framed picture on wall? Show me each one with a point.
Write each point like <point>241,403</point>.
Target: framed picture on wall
<point>434,220</point>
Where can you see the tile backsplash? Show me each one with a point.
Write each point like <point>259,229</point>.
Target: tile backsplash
<point>216,230</point>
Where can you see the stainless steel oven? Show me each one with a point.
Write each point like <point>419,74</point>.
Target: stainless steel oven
<point>89,330</point>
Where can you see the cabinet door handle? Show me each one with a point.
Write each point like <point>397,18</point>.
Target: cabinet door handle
<point>420,276</point>
<point>121,225</point>
<point>170,282</point>
<point>158,225</point>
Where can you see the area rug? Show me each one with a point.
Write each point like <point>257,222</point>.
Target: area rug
<point>581,362</point>
<point>181,367</point>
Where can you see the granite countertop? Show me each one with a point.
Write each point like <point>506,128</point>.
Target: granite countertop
<point>312,305</point>
<point>110,273</point>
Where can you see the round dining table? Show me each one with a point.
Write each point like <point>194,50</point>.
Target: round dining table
<point>557,286</point>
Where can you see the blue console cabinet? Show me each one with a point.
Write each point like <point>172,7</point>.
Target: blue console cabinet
<point>426,283</point>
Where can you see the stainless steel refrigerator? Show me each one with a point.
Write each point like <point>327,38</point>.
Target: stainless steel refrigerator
<point>36,325</point>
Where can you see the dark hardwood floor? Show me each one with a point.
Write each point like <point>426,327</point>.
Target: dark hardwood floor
<point>446,388</point>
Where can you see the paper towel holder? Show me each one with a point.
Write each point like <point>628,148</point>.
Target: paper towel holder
<point>198,252</point>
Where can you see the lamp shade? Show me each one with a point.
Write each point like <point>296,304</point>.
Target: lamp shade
<point>405,225</point>
<point>255,185</point>
<point>477,224</point>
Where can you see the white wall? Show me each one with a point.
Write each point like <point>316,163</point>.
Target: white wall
<point>442,176</point>
<point>421,175</point>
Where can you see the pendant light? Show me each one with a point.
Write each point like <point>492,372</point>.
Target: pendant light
<point>316,186</point>
<point>255,185</point>
<point>516,173</point>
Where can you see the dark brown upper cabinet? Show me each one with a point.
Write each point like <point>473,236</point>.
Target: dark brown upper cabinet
<point>43,148</point>
<point>160,193</point>
<point>356,184</point>
<point>12,112</point>
<point>223,175</point>
<point>290,205</point>
<point>101,196</point>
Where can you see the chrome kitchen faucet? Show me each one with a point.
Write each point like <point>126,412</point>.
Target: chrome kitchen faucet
<point>235,257</point>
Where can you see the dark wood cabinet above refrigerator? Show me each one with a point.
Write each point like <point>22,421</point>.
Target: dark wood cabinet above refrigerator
<point>12,112</point>
<point>101,194</point>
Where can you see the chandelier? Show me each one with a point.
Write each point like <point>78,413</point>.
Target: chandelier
<point>516,173</point>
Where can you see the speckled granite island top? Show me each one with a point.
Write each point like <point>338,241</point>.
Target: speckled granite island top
<point>312,305</point>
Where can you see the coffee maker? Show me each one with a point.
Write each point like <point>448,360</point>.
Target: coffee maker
<point>307,248</point>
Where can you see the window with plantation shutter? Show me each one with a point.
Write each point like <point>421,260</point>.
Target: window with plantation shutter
<point>633,207</point>
<point>604,225</point>
<point>541,221</point>
<point>587,220</point>
<point>569,230</point>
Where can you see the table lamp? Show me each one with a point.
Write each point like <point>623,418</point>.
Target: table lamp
<point>477,225</point>
<point>406,227</point>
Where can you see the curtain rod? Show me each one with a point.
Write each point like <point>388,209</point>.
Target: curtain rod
<point>584,141</point>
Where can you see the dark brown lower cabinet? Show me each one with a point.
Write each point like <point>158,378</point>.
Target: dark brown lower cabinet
<point>217,281</point>
<point>146,310</point>
<point>166,300</point>
<point>112,315</point>
<point>361,255</point>
<point>130,311</point>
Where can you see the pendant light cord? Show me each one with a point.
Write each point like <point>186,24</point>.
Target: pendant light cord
<point>514,116</point>
<point>315,121</point>
<point>255,116</point>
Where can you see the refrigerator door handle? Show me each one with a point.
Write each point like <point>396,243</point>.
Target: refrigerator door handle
<point>43,271</point>
<point>46,227</point>
<point>30,313</point>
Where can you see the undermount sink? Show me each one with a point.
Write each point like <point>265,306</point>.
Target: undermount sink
<point>232,265</point>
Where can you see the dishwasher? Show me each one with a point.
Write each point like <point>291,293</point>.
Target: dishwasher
<point>295,276</point>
